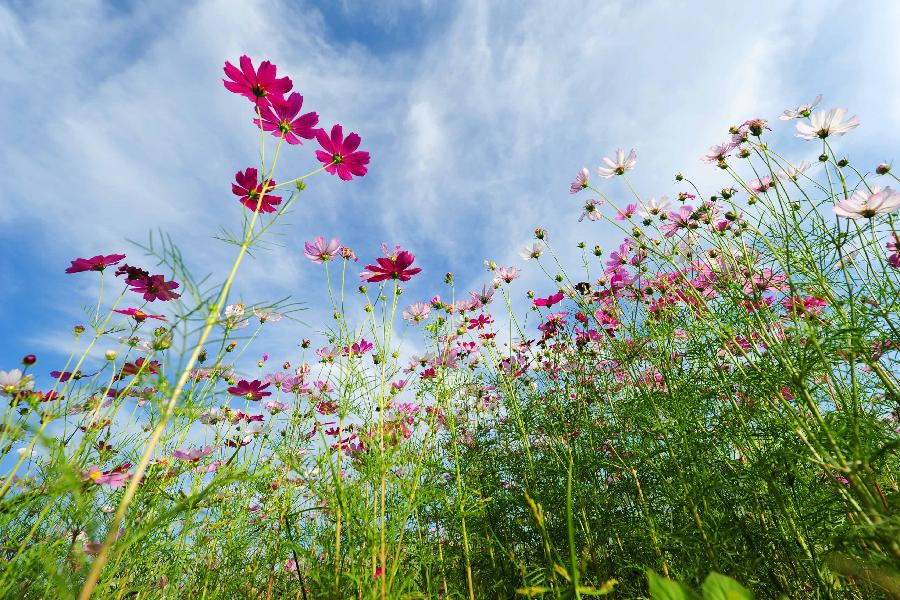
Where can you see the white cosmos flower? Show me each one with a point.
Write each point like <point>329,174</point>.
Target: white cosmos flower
<point>533,250</point>
<point>826,123</point>
<point>792,172</point>
<point>801,111</point>
<point>652,208</point>
<point>619,166</point>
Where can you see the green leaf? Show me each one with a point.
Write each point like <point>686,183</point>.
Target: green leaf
<point>720,587</point>
<point>667,589</point>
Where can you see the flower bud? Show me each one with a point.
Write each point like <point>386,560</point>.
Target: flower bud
<point>231,346</point>
<point>679,177</point>
<point>78,329</point>
<point>305,343</point>
<point>883,169</point>
<point>300,185</point>
<point>539,233</point>
<point>823,158</point>
<point>202,356</point>
<point>598,251</point>
<point>843,162</point>
<point>111,355</point>
<point>29,360</point>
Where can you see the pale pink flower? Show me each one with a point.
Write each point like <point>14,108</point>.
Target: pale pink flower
<point>591,210</point>
<point>582,180</point>
<point>761,185</point>
<point>619,166</point>
<point>825,123</point>
<point>865,204</point>
<point>506,274</point>
<point>533,250</point>
<point>718,153</point>
<point>418,311</point>
<point>193,455</point>
<point>319,250</point>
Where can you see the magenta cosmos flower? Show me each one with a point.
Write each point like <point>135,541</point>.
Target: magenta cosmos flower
<point>280,117</point>
<point>154,288</point>
<point>251,390</point>
<point>95,263</point>
<point>139,315</point>
<point>340,154</point>
<point>394,266</point>
<point>250,190</point>
<point>319,250</point>
<point>255,84</point>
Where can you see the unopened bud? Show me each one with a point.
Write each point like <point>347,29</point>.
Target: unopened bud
<point>883,169</point>
<point>29,360</point>
<point>111,355</point>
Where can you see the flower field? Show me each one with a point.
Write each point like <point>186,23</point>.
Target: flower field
<point>708,409</point>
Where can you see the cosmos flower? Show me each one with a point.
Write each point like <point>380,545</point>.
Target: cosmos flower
<point>251,390</point>
<point>826,123</point>
<point>533,250</point>
<point>761,185</point>
<point>627,212</point>
<point>418,311</point>
<point>114,478</point>
<point>251,194</point>
<point>255,84</point>
<point>550,300</point>
<point>793,172</point>
<point>801,111</point>
<point>193,455</point>
<point>95,263</point>
<point>591,211</point>
<point>718,153</point>
<point>154,288</point>
<point>582,180</point>
<point>14,381</point>
<point>340,154</point>
<point>652,208</point>
<point>865,204</point>
<point>280,117</point>
<point>619,166</point>
<point>395,266</point>
<point>319,251</point>
<point>138,315</point>
<point>506,274</point>
<point>893,247</point>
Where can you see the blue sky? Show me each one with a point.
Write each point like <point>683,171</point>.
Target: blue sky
<point>477,116</point>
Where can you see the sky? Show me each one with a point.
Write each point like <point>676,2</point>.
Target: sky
<point>477,115</point>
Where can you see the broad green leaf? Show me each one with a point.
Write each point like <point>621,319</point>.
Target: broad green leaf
<point>668,589</point>
<point>720,587</point>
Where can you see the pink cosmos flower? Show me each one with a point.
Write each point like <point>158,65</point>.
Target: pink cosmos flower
<point>275,407</point>
<point>582,180</point>
<point>114,478</point>
<point>139,315</point>
<point>280,117</point>
<point>319,251</point>
<point>864,204</point>
<point>417,312</point>
<point>718,153</point>
<point>507,274</point>
<point>550,300</point>
<point>479,322</point>
<point>395,266</point>
<point>251,390</point>
<point>193,455</point>
<point>251,191</point>
<point>626,213</point>
<point>340,154</point>
<point>761,185</point>
<point>255,84</point>
<point>154,288</point>
<point>619,166</point>
<point>678,219</point>
<point>893,247</point>
<point>95,263</point>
